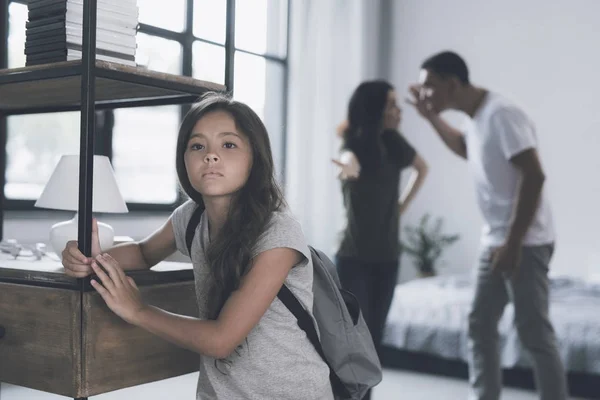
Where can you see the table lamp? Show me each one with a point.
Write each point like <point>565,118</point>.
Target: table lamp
<point>62,193</point>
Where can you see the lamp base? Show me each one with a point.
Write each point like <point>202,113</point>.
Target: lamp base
<point>62,232</point>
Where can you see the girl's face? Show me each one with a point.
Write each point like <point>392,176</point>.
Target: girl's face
<point>392,113</point>
<point>218,157</point>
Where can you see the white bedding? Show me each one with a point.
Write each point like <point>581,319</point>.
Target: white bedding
<point>430,315</point>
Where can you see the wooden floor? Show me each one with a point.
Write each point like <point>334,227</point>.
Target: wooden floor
<point>396,384</point>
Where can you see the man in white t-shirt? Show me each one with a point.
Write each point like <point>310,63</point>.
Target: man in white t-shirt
<point>500,145</point>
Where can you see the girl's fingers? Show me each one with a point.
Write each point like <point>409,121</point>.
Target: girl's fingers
<point>109,266</point>
<point>116,266</point>
<point>76,254</point>
<point>131,282</point>
<point>100,289</point>
<point>107,282</point>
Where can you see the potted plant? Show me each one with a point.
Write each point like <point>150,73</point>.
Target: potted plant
<point>426,243</point>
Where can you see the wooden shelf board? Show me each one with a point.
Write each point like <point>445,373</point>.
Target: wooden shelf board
<point>55,87</point>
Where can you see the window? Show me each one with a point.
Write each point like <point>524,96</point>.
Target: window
<point>34,142</point>
<point>260,59</point>
<point>144,139</point>
<point>209,62</point>
<point>209,20</point>
<point>259,83</point>
<point>261,26</point>
<point>167,15</point>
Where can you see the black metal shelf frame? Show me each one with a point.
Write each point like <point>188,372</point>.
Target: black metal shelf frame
<point>3,130</point>
<point>187,93</point>
<point>186,38</point>
<point>89,72</point>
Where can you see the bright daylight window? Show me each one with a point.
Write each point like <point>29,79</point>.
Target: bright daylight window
<point>144,139</point>
<point>35,142</point>
<point>260,63</point>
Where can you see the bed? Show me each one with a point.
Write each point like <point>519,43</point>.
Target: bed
<point>427,328</point>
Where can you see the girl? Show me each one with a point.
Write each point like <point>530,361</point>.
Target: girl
<point>373,156</point>
<point>245,248</point>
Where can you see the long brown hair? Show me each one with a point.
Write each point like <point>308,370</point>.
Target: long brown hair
<point>361,132</point>
<point>229,252</point>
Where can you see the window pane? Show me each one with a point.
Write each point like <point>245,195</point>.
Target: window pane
<point>144,141</point>
<point>208,62</point>
<point>210,20</point>
<point>35,145</point>
<point>264,95</point>
<point>164,14</point>
<point>158,54</point>
<point>261,26</point>
<point>17,16</point>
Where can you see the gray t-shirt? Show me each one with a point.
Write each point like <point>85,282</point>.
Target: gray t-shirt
<point>277,361</point>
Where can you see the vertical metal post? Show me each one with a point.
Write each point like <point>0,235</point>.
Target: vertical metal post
<point>3,162</point>
<point>3,128</point>
<point>86,149</point>
<point>230,45</point>
<point>187,45</point>
<point>286,89</point>
<point>188,39</point>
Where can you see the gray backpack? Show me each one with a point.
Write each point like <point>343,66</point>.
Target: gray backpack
<point>345,343</point>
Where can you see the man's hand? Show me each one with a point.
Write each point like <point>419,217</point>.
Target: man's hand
<point>420,102</point>
<point>506,259</point>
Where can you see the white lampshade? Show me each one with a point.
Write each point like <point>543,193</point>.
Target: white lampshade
<point>62,193</point>
<point>62,190</point>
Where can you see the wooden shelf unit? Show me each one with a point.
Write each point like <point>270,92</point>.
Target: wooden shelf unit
<point>57,87</point>
<point>56,334</point>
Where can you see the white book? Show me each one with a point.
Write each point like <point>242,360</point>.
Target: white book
<point>76,10</point>
<point>77,44</point>
<point>78,26</point>
<point>76,16</point>
<point>122,6</point>
<point>103,36</point>
<point>76,55</point>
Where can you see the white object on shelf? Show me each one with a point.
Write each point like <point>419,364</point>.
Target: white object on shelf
<point>62,193</point>
<point>62,232</point>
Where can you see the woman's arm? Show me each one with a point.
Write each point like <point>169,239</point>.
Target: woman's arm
<point>415,181</point>
<point>214,338</point>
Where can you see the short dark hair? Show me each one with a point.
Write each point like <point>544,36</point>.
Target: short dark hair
<point>448,64</point>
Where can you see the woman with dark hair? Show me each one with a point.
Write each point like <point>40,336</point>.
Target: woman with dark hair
<point>373,155</point>
<point>246,246</point>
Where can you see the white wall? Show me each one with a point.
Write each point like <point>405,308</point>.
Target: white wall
<point>544,55</point>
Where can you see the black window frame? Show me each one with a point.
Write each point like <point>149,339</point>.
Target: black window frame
<point>105,118</point>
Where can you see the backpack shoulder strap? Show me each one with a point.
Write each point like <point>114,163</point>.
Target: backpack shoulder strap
<point>305,322</point>
<point>190,230</point>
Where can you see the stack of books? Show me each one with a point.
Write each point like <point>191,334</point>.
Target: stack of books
<point>54,31</point>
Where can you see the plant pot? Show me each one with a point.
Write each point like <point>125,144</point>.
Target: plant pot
<point>426,274</point>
